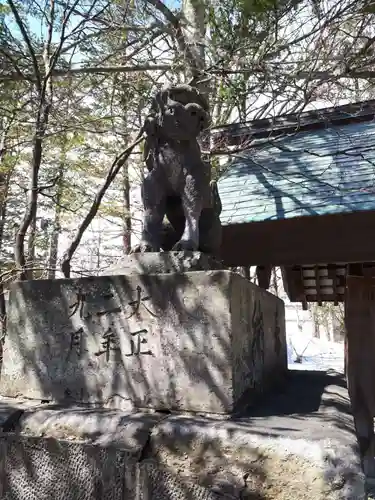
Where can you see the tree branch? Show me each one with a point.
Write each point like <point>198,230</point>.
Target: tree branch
<point>184,48</point>
<point>57,51</point>
<point>113,171</point>
<point>28,43</point>
<point>14,64</point>
<point>299,75</point>
<point>92,70</point>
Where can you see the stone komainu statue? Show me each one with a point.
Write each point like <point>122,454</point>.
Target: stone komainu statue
<point>181,204</point>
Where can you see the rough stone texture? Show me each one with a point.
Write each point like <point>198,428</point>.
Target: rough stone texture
<point>157,482</point>
<point>199,341</point>
<point>35,469</point>
<point>96,426</point>
<point>164,263</point>
<point>299,445</point>
<point>73,453</point>
<point>10,407</point>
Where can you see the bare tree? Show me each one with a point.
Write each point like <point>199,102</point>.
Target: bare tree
<point>112,173</point>
<point>45,58</point>
<point>255,63</point>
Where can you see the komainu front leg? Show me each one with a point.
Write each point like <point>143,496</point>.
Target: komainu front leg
<point>192,204</point>
<point>153,195</point>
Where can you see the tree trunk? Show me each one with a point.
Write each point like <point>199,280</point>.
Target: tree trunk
<point>246,76</point>
<point>30,260</point>
<point>98,253</point>
<point>275,282</point>
<point>113,171</point>
<point>4,189</point>
<point>3,205</point>
<point>127,230</point>
<point>194,12</point>
<point>31,210</point>
<point>127,221</point>
<point>54,243</point>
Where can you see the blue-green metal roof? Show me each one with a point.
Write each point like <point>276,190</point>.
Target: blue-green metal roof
<point>318,172</point>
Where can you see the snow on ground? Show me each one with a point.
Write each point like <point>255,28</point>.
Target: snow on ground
<point>316,354</point>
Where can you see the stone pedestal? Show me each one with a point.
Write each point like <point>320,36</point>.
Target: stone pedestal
<point>203,341</point>
<point>164,263</point>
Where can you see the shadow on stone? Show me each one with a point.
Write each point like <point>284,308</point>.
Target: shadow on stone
<point>193,346</point>
<point>203,341</point>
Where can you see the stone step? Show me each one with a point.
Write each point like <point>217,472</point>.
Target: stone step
<point>298,445</point>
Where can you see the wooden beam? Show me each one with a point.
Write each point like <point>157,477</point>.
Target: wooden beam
<point>324,298</point>
<point>303,291</point>
<point>297,289</point>
<point>355,269</point>
<point>264,276</point>
<point>317,284</point>
<point>310,240</point>
<point>332,268</point>
<point>292,282</point>
<point>368,269</point>
<point>288,285</point>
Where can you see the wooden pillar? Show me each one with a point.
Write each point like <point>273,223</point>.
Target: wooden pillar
<point>264,276</point>
<point>360,323</point>
<point>359,362</point>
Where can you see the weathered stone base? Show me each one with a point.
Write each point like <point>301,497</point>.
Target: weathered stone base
<point>164,263</point>
<point>300,446</point>
<point>36,468</point>
<point>202,341</point>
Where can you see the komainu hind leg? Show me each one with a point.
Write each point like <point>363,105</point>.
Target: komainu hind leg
<point>192,204</point>
<point>153,195</point>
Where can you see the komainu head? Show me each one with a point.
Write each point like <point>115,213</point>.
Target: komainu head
<point>181,112</point>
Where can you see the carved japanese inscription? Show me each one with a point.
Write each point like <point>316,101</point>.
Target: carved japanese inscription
<point>139,338</point>
<point>165,341</point>
<point>88,308</point>
<point>109,343</point>
<point>257,343</point>
<point>138,302</point>
<point>76,342</point>
<point>83,307</point>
